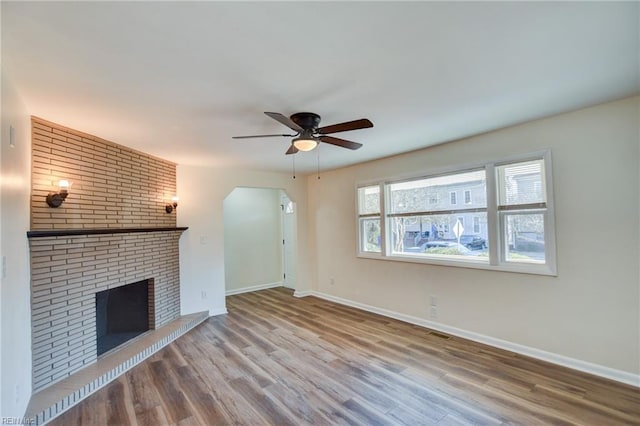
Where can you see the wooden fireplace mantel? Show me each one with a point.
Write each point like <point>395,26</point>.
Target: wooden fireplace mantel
<point>70,232</point>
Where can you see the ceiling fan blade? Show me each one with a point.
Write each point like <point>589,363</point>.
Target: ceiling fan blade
<point>285,120</point>
<point>259,136</point>
<point>292,150</point>
<point>340,142</point>
<point>363,123</point>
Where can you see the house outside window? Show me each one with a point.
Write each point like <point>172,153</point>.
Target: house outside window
<point>521,206</point>
<point>509,225</point>
<point>421,228</point>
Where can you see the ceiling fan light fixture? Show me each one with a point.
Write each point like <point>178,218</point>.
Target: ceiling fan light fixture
<point>305,144</point>
<point>306,141</point>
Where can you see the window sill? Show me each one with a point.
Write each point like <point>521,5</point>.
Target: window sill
<point>518,268</point>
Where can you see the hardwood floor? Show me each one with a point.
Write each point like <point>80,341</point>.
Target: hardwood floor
<point>275,359</point>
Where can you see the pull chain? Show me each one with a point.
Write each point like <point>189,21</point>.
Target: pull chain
<point>293,158</point>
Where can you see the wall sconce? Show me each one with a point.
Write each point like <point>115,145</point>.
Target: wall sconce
<point>174,204</point>
<point>55,199</point>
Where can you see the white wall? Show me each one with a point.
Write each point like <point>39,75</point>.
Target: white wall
<point>252,238</point>
<point>15,310</point>
<point>589,312</point>
<point>202,192</point>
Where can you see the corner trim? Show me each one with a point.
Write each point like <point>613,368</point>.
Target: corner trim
<point>575,364</point>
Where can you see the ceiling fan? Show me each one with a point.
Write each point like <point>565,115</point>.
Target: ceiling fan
<point>308,134</point>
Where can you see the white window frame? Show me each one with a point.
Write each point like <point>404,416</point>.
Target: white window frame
<point>497,261</point>
<point>379,215</point>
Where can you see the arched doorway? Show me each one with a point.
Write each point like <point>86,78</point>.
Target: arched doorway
<point>259,240</point>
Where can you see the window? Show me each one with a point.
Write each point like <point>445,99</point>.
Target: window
<point>467,197</point>
<point>369,219</point>
<point>505,223</point>
<point>409,213</point>
<point>521,207</point>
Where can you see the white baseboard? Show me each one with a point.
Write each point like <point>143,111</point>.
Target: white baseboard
<point>576,364</point>
<point>302,293</point>
<point>216,312</point>
<point>253,288</point>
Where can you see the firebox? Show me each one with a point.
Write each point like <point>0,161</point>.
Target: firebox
<point>122,313</point>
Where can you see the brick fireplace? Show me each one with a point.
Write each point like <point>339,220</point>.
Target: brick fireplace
<point>67,272</point>
<point>111,230</point>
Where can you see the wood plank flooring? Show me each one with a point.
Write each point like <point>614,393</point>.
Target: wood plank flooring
<point>279,360</point>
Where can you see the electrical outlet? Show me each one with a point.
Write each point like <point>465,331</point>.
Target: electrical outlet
<point>204,294</point>
<point>433,313</point>
<point>332,281</point>
<point>434,300</point>
<point>12,137</point>
<point>204,240</point>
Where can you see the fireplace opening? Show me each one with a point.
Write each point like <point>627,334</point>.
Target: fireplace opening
<point>122,313</point>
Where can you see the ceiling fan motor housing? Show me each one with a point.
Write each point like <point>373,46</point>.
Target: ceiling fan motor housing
<point>306,120</point>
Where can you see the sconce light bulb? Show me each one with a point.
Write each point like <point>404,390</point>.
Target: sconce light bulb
<point>174,204</point>
<point>55,199</point>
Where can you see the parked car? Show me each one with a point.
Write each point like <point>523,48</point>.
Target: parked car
<point>473,242</point>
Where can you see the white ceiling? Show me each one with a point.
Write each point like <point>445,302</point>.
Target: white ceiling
<point>178,79</point>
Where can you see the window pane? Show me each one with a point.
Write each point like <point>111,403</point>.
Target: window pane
<point>524,237</point>
<point>370,232</point>
<point>521,183</point>
<point>435,236</point>
<point>476,224</point>
<point>369,200</point>
<point>437,193</point>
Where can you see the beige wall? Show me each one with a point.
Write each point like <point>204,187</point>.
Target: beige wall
<point>15,314</point>
<point>589,312</point>
<point>202,192</point>
<point>252,238</point>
